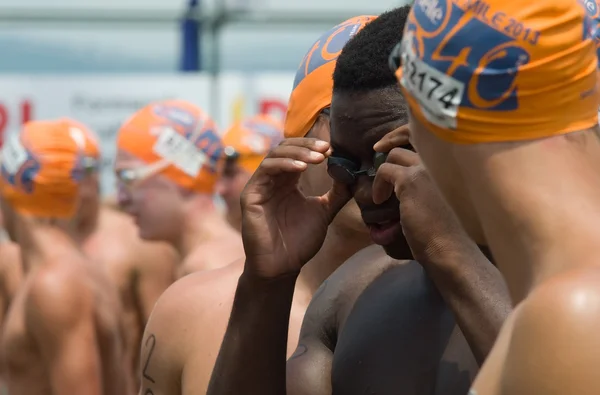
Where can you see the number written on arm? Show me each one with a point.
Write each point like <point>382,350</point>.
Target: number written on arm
<point>150,344</point>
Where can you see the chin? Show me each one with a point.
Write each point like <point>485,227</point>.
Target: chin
<point>399,250</point>
<point>352,221</point>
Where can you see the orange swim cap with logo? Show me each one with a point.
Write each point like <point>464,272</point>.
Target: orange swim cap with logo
<point>180,133</point>
<point>497,70</point>
<point>42,167</point>
<point>250,140</point>
<point>313,84</point>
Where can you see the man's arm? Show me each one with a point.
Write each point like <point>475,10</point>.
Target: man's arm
<point>474,290</point>
<point>252,358</point>
<point>163,343</point>
<point>60,318</point>
<point>309,367</point>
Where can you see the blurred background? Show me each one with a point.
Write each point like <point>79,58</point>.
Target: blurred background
<point>98,61</point>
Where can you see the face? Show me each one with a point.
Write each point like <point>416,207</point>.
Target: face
<point>155,203</point>
<point>439,159</point>
<point>315,182</point>
<point>358,121</point>
<point>230,186</point>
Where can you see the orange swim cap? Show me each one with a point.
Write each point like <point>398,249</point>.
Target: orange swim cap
<point>313,84</point>
<point>182,134</point>
<point>483,71</point>
<point>41,169</point>
<point>250,140</point>
<point>90,144</point>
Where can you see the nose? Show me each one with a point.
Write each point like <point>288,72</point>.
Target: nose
<point>363,191</point>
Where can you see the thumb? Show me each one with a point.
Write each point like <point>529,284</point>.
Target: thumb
<point>336,198</point>
<point>388,177</point>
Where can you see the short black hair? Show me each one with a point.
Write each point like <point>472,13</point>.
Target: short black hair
<point>363,64</point>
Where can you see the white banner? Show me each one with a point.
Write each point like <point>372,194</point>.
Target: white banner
<point>104,102</point>
<point>242,95</point>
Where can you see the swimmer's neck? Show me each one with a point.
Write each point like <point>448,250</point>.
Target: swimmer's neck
<point>553,224</point>
<point>86,226</point>
<point>199,226</point>
<point>38,241</point>
<point>338,247</point>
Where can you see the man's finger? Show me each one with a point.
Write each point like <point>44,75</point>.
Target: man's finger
<point>336,198</point>
<point>388,177</point>
<point>302,154</point>
<point>277,166</point>
<point>272,175</point>
<point>396,138</point>
<point>403,157</point>
<point>306,142</point>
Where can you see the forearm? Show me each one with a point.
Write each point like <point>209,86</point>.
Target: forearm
<point>252,358</point>
<point>474,290</point>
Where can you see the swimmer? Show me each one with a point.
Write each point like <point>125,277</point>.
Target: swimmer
<point>141,271</point>
<point>503,111</point>
<point>63,333</point>
<point>246,144</point>
<point>168,161</point>
<point>179,349</point>
<point>11,274</point>
<point>382,324</point>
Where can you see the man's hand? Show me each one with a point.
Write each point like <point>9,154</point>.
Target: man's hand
<point>471,286</point>
<point>428,222</point>
<point>282,229</point>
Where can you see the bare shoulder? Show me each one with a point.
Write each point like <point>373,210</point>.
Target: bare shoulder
<point>187,322</point>
<point>189,302</point>
<point>559,318</point>
<point>333,301</point>
<point>58,297</point>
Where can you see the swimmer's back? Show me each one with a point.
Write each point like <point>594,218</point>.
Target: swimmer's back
<point>66,312</point>
<point>185,331</point>
<point>139,270</point>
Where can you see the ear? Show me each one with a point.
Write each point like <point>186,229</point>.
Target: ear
<point>320,129</point>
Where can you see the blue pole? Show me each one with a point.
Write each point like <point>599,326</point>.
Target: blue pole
<point>190,35</point>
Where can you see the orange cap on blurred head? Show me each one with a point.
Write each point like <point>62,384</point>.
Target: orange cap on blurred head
<point>180,133</point>
<point>41,169</point>
<point>250,140</point>
<point>91,146</point>
<point>313,84</point>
